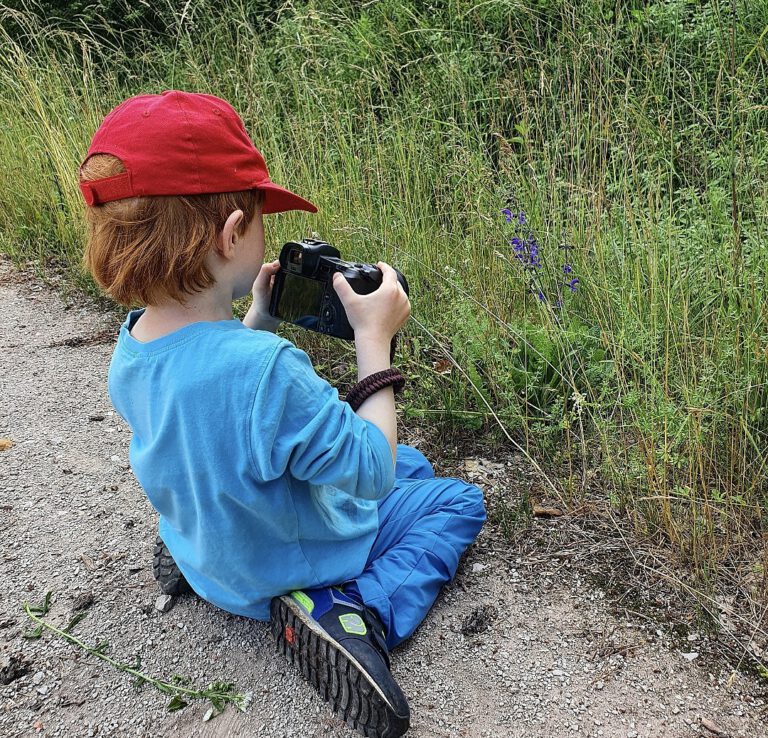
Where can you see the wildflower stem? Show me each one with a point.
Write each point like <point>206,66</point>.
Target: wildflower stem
<point>238,700</point>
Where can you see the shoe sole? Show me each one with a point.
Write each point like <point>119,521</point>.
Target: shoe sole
<point>169,577</point>
<point>337,676</point>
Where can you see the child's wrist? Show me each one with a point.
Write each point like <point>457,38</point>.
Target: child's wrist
<point>258,322</point>
<point>372,355</point>
<point>371,340</point>
<point>372,384</point>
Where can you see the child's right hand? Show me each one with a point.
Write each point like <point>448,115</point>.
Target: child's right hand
<point>375,318</point>
<point>380,314</point>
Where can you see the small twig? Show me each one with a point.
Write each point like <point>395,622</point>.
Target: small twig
<point>664,573</point>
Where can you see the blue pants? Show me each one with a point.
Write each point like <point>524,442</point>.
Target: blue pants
<point>425,524</point>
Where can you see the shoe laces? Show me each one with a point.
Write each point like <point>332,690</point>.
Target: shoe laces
<point>375,627</point>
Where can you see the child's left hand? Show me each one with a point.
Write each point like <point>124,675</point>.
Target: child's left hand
<point>258,317</point>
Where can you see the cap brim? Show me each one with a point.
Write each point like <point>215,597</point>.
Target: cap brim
<point>278,200</point>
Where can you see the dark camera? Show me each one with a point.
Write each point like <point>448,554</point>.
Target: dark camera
<point>303,291</point>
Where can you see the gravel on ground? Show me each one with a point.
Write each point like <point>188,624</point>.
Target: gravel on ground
<point>508,650</point>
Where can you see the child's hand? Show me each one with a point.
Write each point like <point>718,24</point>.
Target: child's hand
<point>380,314</point>
<point>258,317</point>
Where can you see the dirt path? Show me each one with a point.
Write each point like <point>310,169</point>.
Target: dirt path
<point>504,653</point>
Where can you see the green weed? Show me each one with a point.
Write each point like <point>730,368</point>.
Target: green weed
<point>634,132</point>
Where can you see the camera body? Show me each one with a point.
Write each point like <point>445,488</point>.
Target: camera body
<point>303,289</point>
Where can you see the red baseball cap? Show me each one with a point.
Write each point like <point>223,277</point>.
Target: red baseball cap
<point>182,143</point>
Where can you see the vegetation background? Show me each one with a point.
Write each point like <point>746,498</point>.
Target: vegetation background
<point>577,192</point>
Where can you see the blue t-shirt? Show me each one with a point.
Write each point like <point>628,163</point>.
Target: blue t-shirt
<point>264,480</point>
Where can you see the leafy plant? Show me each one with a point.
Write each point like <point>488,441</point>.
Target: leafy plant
<point>219,693</point>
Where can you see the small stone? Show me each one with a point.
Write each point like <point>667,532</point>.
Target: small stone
<point>12,666</point>
<point>38,677</point>
<point>712,727</point>
<point>83,601</point>
<point>479,620</point>
<point>690,656</point>
<point>164,603</point>
<point>478,568</point>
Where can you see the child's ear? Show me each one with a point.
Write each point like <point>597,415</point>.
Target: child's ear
<point>228,236</point>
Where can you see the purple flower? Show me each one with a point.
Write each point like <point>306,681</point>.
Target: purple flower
<point>509,216</point>
<point>528,253</point>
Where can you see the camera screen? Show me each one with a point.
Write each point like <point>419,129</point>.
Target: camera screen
<point>300,300</point>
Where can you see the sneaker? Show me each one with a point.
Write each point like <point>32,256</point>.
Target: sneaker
<point>340,648</point>
<point>167,574</point>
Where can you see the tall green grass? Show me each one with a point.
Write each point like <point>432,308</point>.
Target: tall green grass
<point>634,133</point>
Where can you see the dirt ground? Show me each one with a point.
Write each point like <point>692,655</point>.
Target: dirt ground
<point>510,649</point>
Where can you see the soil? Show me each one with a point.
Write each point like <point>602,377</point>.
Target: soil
<point>519,644</point>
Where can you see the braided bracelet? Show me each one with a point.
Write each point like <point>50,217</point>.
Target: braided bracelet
<point>372,384</point>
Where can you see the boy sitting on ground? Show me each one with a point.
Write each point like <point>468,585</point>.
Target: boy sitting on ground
<point>276,499</point>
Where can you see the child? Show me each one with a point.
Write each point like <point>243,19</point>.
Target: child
<point>276,499</point>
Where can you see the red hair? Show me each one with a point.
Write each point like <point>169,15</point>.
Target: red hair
<point>148,250</point>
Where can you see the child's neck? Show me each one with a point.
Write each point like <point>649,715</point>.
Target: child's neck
<point>160,320</point>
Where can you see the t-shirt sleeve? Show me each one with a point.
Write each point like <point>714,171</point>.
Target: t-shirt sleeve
<point>299,425</point>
